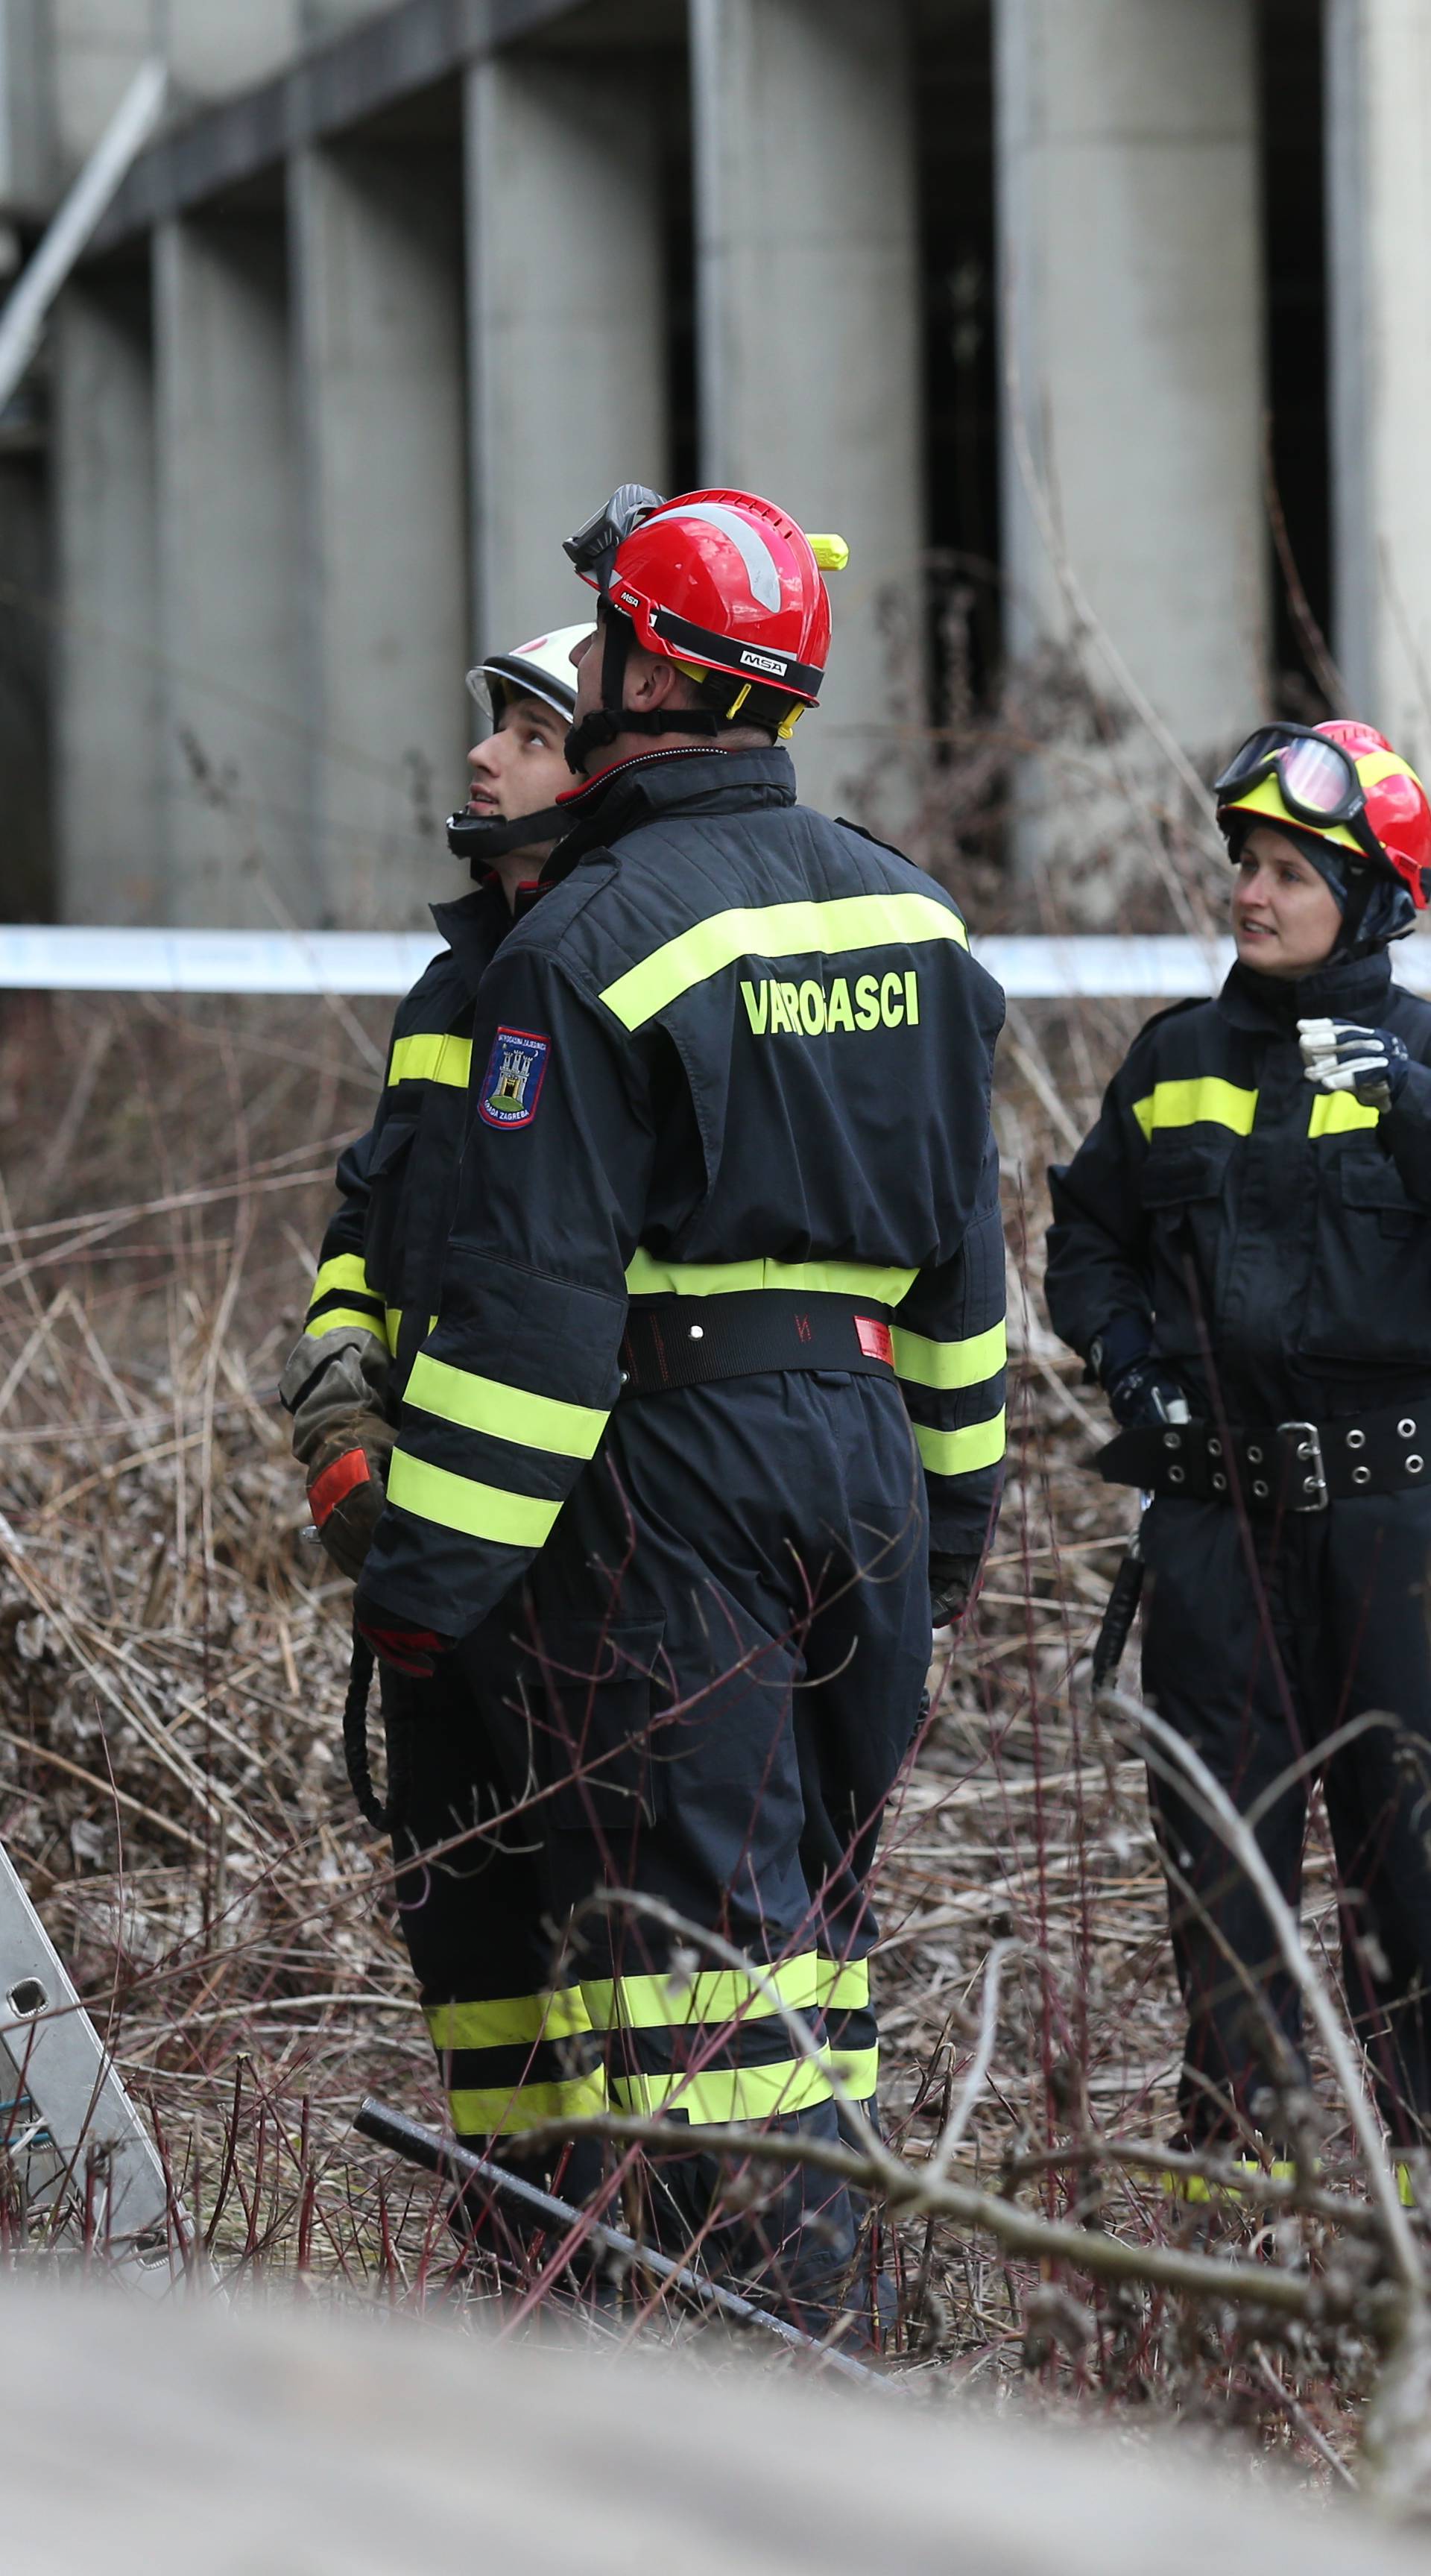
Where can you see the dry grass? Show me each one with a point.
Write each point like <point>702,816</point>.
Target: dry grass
<point>172,1657</point>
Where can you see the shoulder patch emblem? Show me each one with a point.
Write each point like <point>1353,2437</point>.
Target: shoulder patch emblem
<point>512,1083</point>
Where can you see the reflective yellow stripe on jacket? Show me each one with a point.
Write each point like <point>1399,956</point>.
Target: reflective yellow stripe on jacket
<point>828,929</point>
<point>341,1298</point>
<point>947,1366</point>
<point>647,1276</point>
<point>1204,1101</point>
<point>431,1056</point>
<point>506,1412</point>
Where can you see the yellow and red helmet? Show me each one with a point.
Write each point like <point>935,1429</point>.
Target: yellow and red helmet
<point>1341,782</point>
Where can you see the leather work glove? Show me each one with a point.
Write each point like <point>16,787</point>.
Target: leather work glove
<point>952,1580</point>
<point>347,1486</point>
<point>333,1385</point>
<point>414,1651</point>
<point>1143,1392</point>
<point>1138,1386</point>
<point>1340,1055</point>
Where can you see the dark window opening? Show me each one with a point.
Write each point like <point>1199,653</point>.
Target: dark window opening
<point>1297,462</point>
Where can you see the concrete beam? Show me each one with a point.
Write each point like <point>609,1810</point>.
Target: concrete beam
<point>566,297</point>
<point>386,57</point>
<point>232,758</point>
<point>107,672</point>
<point>382,576</point>
<point>1126,144</point>
<point>808,294</point>
<point>1378,92</point>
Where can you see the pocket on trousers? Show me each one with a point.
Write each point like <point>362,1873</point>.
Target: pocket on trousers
<point>594,1702</point>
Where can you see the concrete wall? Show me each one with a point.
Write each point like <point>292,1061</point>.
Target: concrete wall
<point>566,318</point>
<point>1379,202</point>
<point>232,767</point>
<point>106,671</point>
<point>380,582</point>
<point>807,288</point>
<point>1131,289</point>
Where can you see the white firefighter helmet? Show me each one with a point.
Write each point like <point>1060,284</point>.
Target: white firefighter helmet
<point>539,669</point>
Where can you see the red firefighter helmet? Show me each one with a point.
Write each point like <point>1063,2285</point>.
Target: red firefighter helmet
<point>1342,782</point>
<point>727,582</point>
<point>722,583</point>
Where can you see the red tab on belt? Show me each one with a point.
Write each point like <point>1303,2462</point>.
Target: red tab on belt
<point>336,1483</point>
<point>876,1339</point>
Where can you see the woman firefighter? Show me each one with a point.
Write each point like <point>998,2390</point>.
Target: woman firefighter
<point>1242,1253</point>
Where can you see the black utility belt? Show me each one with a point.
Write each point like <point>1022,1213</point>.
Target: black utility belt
<point>692,1341</point>
<point>1277,1466</point>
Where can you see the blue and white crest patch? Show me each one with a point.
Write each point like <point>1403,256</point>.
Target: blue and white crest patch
<point>512,1084</point>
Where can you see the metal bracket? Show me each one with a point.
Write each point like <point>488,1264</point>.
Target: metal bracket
<point>67,2125</point>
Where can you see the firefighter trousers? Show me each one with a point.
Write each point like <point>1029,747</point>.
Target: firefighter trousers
<point>1260,1641</point>
<point>686,1724</point>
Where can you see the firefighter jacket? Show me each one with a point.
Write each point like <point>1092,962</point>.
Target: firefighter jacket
<point>1276,1232</point>
<point>734,1046</point>
<point>383,1251</point>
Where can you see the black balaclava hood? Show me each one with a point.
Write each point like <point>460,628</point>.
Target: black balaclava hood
<point>1375,909</point>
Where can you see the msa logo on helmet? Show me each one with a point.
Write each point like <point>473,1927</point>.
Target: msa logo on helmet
<point>774,663</point>
<point>628,599</point>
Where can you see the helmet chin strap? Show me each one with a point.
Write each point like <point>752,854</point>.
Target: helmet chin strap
<point>472,837</point>
<point>597,731</point>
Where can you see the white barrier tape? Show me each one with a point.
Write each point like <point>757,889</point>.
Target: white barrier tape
<point>73,960</point>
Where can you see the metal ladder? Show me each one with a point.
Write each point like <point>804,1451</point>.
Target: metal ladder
<point>74,2142</point>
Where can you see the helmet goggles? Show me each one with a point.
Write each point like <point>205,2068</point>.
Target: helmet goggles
<point>1316,780</point>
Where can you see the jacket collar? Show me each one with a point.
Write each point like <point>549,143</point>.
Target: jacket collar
<point>673,780</point>
<point>474,926</point>
<point>1356,988</point>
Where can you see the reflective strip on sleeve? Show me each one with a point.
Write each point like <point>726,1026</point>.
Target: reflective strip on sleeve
<point>950,1364</point>
<point>1335,1113</point>
<point>461,1503</point>
<point>503,2110</point>
<point>961,1453</point>
<point>1205,1101</point>
<point>342,1319</point>
<point>507,1412</point>
<point>858,2070</point>
<point>843,1985</point>
<point>345,1270</point>
<point>431,1057</point>
<point>723,2094</point>
<point>777,930</point>
<point>392,1326</point>
<point>711,1997</point>
<point>510,2021</point>
<point>649,1277</point>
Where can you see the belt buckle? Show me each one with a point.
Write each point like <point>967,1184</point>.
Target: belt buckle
<point>1312,1466</point>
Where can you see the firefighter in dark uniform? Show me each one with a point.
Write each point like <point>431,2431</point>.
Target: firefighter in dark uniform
<point>376,1292</point>
<point>708,1418</point>
<point>1242,1251</point>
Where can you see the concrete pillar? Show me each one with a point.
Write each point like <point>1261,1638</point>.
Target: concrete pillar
<point>807,280</point>
<point>381,572</point>
<point>232,763</point>
<point>26,136</point>
<point>1126,142</point>
<point>106,666</point>
<point>567,303</point>
<point>1379,222</point>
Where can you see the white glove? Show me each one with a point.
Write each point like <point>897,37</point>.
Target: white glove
<point>1341,1055</point>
